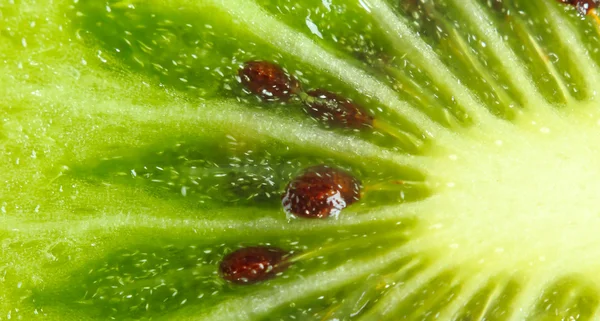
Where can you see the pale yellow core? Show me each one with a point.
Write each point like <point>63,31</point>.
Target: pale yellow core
<point>519,197</point>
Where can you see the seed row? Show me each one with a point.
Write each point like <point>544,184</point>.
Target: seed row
<point>271,82</point>
<point>320,191</point>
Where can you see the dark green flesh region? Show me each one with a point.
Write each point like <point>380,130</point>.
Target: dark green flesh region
<point>133,159</point>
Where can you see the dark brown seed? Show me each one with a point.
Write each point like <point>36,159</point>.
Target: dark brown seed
<point>583,6</point>
<point>253,264</point>
<point>335,110</point>
<point>268,80</point>
<point>320,192</point>
<point>409,6</point>
<point>497,5</point>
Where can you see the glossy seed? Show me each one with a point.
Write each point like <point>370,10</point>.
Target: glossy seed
<point>268,80</point>
<point>583,6</point>
<point>253,264</point>
<point>335,110</point>
<point>320,192</point>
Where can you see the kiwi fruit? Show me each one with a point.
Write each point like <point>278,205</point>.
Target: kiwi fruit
<point>299,160</point>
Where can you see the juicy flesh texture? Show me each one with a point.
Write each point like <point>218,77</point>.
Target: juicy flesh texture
<point>109,109</point>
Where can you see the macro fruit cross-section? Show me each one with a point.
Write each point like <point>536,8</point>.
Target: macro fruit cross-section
<point>299,160</point>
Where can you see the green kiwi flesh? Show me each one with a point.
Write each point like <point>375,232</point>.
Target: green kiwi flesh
<point>133,159</point>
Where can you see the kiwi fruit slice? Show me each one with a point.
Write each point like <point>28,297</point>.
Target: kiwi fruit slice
<point>299,160</point>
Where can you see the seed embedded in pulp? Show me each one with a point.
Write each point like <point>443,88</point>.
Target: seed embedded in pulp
<point>320,192</point>
<point>268,80</point>
<point>410,5</point>
<point>253,264</point>
<point>335,110</point>
<point>583,6</point>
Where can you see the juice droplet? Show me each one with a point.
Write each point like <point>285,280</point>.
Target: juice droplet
<point>583,6</point>
<point>335,110</point>
<point>253,264</point>
<point>320,192</point>
<point>268,80</point>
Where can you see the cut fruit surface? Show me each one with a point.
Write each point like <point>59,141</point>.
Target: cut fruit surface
<point>161,160</point>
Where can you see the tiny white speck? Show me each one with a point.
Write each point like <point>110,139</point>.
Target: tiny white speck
<point>453,157</point>
<point>24,42</point>
<point>99,55</point>
<point>545,130</point>
<point>313,28</point>
<point>499,142</point>
<point>364,5</point>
